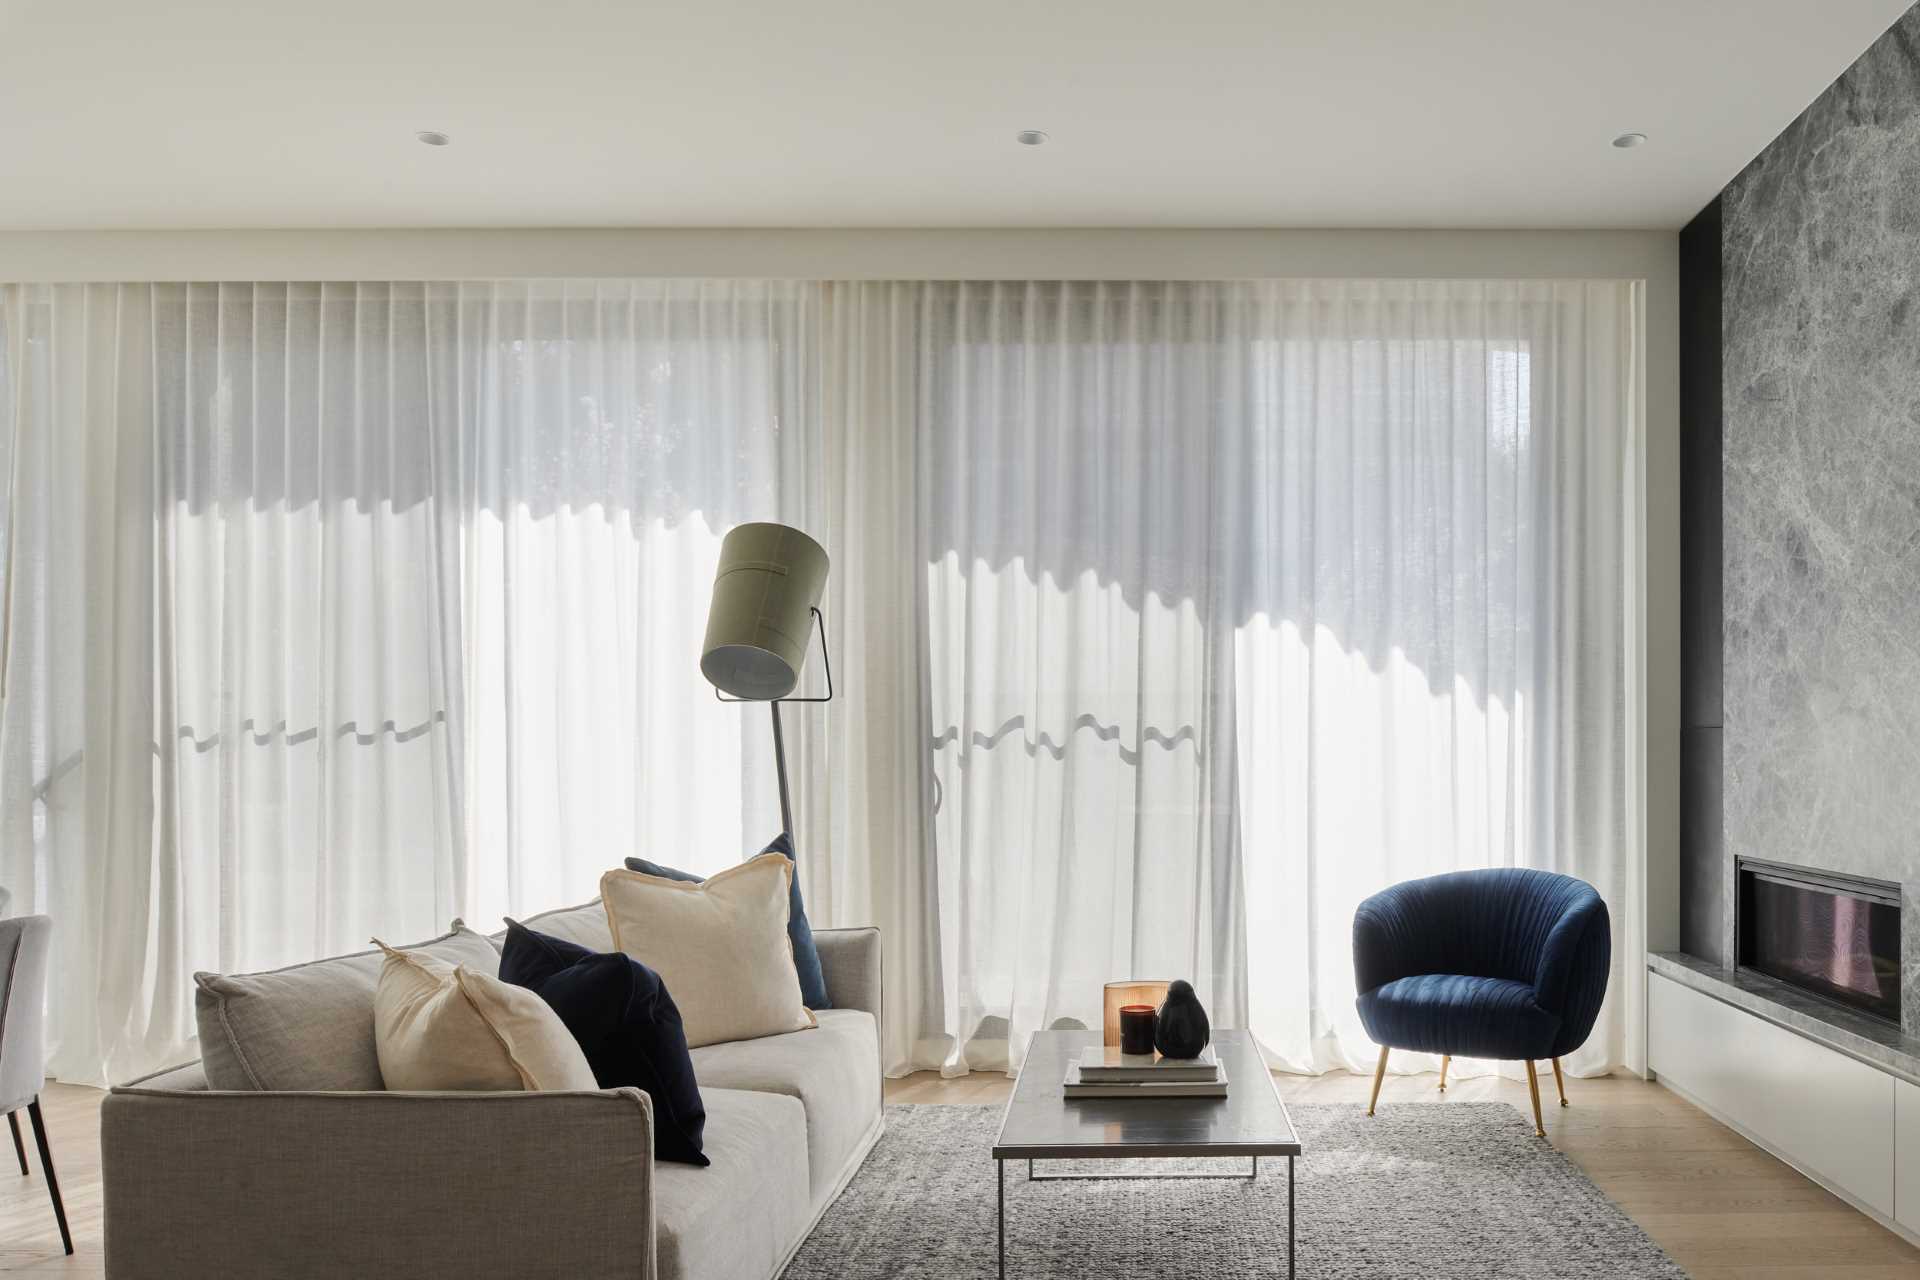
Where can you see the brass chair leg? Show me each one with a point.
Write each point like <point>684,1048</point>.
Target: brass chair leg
<point>1445,1058</point>
<point>1533,1087</point>
<point>1560,1082</point>
<point>1379,1074</point>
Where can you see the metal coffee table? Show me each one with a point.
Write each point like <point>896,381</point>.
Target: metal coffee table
<point>1041,1124</point>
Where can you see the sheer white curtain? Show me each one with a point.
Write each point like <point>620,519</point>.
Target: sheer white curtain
<point>343,609</point>
<point>610,433</point>
<point>226,729</point>
<point>1169,620</point>
<point>1247,600</point>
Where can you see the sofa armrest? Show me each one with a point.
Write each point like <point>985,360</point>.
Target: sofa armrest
<point>850,962</point>
<point>187,1077</point>
<point>377,1184</point>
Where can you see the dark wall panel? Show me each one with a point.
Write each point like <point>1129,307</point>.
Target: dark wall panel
<point>1702,850</point>
<point>1702,894</point>
<point>1701,688</point>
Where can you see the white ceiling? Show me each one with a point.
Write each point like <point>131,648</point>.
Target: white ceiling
<point>1207,113</point>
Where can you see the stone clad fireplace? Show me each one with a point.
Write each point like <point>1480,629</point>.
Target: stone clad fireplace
<point>1809,590</point>
<point>1791,1009</point>
<point>1835,936</point>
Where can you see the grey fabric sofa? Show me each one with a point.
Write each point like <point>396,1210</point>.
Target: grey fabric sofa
<point>201,1182</point>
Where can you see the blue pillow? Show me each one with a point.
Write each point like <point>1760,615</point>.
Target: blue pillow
<point>806,957</point>
<point>627,1025</point>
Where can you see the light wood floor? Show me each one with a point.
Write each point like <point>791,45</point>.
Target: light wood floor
<point>1723,1208</point>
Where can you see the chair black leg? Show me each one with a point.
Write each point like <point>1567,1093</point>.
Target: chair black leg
<point>46,1164</point>
<point>19,1147</point>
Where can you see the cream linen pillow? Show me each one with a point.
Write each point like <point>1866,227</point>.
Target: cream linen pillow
<point>720,946</point>
<point>443,1026</point>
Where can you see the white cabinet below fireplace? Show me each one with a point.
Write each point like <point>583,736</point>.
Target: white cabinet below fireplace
<point>1831,1116</point>
<point>1906,1156</point>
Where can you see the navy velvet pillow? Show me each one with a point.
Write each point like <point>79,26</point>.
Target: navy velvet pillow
<point>806,957</point>
<point>626,1023</point>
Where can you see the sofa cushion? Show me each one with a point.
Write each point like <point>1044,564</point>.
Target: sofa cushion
<point>624,1020</point>
<point>834,1071</point>
<point>584,925</point>
<point>445,1026</point>
<point>740,1216</point>
<point>806,957</point>
<point>308,1026</point>
<point>719,944</point>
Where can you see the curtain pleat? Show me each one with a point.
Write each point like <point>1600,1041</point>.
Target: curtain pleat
<point>1168,620</point>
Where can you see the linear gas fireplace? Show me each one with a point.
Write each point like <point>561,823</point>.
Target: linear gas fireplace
<point>1837,936</point>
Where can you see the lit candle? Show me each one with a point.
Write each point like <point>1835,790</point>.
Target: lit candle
<point>1136,1028</point>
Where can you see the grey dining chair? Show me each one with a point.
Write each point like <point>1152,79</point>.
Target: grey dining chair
<point>25,945</point>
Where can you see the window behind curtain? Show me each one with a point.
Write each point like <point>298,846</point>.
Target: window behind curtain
<point>1170,618</point>
<point>1247,600</point>
<point>345,609</point>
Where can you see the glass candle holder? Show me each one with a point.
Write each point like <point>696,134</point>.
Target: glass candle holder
<point>1136,1028</point>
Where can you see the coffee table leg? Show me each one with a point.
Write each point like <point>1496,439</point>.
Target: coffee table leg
<point>1001,1165</point>
<point>1289,1223</point>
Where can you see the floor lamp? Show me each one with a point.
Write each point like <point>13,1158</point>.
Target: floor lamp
<point>766,605</point>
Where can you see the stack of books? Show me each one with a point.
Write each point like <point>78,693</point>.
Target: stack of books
<point>1105,1072</point>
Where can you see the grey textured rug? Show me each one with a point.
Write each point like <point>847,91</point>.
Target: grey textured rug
<point>1451,1190</point>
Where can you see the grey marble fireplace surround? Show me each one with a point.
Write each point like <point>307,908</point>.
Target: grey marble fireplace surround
<point>1820,533</point>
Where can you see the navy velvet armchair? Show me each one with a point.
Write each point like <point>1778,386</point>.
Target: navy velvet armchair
<point>1502,963</point>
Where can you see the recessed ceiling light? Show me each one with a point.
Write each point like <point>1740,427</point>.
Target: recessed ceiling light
<point>1627,140</point>
<point>1030,137</point>
<point>433,137</point>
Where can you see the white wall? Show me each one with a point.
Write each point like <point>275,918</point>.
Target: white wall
<point>1651,256</point>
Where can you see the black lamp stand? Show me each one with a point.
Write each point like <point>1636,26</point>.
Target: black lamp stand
<point>779,737</point>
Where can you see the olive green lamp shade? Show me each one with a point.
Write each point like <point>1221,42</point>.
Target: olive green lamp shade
<point>764,593</point>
